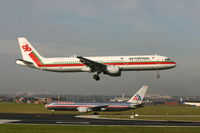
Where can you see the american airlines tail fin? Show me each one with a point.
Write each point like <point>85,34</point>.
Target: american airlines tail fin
<point>181,101</point>
<point>28,51</point>
<point>138,97</point>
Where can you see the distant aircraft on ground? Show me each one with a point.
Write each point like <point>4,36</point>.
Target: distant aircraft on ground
<point>134,102</point>
<point>110,65</point>
<point>192,103</point>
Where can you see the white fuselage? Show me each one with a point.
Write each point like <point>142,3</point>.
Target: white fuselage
<point>125,63</point>
<point>110,65</point>
<point>192,103</point>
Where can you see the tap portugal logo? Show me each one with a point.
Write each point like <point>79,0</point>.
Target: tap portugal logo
<point>137,97</point>
<point>26,48</point>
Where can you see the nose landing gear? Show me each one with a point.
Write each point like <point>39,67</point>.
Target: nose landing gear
<point>158,74</point>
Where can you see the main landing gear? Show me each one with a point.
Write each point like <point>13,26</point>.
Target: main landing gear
<point>96,76</point>
<point>95,113</point>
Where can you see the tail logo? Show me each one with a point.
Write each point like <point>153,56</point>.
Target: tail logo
<point>26,48</point>
<point>137,97</point>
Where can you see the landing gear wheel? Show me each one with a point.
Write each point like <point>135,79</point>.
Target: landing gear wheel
<point>158,74</point>
<point>95,113</point>
<point>96,77</point>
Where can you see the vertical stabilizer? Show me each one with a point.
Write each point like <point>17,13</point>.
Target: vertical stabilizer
<point>138,97</point>
<point>27,49</point>
<point>181,101</point>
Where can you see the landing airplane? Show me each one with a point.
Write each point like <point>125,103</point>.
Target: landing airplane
<point>110,65</point>
<point>134,102</point>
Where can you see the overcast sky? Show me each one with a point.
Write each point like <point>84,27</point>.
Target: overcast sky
<point>101,27</point>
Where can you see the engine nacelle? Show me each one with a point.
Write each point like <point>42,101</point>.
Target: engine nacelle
<point>113,71</point>
<point>133,106</point>
<point>84,109</point>
<point>86,69</point>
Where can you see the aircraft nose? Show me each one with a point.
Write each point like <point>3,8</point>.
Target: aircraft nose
<point>46,106</point>
<point>174,64</point>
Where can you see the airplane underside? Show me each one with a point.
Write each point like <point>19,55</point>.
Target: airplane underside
<point>75,109</point>
<point>122,68</point>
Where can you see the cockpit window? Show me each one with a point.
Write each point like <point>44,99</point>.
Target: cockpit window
<point>167,59</point>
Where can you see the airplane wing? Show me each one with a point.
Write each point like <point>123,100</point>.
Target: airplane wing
<point>98,107</point>
<point>94,108</point>
<point>95,66</point>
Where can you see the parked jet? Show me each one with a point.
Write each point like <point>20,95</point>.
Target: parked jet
<point>110,65</point>
<point>134,102</point>
<point>191,103</point>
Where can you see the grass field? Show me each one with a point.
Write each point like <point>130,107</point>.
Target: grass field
<point>168,110</point>
<point>148,110</point>
<point>93,129</point>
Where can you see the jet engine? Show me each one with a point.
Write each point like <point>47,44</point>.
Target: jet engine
<point>113,71</point>
<point>133,106</point>
<point>84,109</point>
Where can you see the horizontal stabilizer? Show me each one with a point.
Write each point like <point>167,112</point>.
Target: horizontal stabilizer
<point>26,62</point>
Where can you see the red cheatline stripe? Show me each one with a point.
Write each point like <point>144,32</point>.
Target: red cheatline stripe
<point>129,63</point>
<point>140,63</point>
<point>69,106</point>
<point>35,59</point>
<point>62,65</point>
<point>39,63</point>
<point>84,106</point>
<point>118,106</point>
<point>66,102</point>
